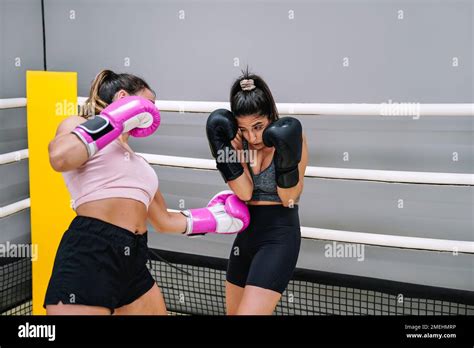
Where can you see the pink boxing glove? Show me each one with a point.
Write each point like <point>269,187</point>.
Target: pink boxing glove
<point>131,113</point>
<point>147,127</point>
<point>224,214</point>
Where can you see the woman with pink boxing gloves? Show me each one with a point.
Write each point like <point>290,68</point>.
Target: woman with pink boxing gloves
<point>100,265</point>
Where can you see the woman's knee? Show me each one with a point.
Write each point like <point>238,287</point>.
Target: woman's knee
<point>258,301</point>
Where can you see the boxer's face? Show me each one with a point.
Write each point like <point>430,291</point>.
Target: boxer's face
<point>145,93</point>
<point>252,127</point>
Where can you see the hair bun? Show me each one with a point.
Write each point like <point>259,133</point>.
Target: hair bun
<point>247,84</point>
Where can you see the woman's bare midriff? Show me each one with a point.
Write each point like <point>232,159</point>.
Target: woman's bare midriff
<point>123,212</point>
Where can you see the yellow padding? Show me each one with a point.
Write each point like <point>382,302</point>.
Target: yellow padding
<point>51,97</point>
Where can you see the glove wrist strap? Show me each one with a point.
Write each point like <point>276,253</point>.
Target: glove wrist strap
<point>287,179</point>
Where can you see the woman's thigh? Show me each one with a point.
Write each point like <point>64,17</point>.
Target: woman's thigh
<point>233,296</point>
<point>70,309</point>
<point>150,303</point>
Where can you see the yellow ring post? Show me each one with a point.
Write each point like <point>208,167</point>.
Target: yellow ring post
<point>51,97</point>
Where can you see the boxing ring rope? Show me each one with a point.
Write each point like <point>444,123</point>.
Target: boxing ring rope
<point>453,109</point>
<point>385,240</point>
<point>14,156</point>
<point>327,109</point>
<point>331,173</point>
<point>311,172</point>
<point>316,172</point>
<point>336,235</point>
<point>353,109</point>
<point>14,207</point>
<point>10,103</point>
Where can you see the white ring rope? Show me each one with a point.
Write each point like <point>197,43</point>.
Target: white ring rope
<point>352,109</point>
<point>311,172</point>
<point>14,207</point>
<point>11,103</point>
<point>385,240</point>
<point>382,109</point>
<point>332,109</point>
<point>389,240</point>
<point>331,173</point>
<point>392,241</point>
<point>14,156</point>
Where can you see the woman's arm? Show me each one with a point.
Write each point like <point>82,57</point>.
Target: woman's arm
<point>243,185</point>
<point>225,213</point>
<point>66,151</point>
<point>290,196</point>
<point>162,220</point>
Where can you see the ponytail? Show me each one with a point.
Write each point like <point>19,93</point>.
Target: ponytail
<point>104,87</point>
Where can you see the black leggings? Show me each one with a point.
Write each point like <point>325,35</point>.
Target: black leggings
<point>265,254</point>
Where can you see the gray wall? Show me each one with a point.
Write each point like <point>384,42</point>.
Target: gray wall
<point>302,58</point>
<point>409,60</point>
<point>21,49</point>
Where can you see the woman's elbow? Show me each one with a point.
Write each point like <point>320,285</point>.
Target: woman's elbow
<point>56,159</point>
<point>288,203</point>
<point>244,196</point>
<point>156,226</point>
<point>288,200</point>
<point>154,222</point>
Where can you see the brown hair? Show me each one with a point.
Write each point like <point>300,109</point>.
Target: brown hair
<point>104,87</point>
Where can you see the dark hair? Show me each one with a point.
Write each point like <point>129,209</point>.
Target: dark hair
<point>104,87</point>
<point>256,101</point>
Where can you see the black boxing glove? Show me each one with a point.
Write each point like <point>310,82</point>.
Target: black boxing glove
<point>221,128</point>
<point>286,135</point>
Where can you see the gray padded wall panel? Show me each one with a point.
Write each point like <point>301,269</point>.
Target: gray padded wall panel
<point>14,183</point>
<point>21,49</point>
<point>179,135</point>
<point>13,133</point>
<point>21,44</point>
<point>429,211</point>
<point>193,58</point>
<point>16,228</point>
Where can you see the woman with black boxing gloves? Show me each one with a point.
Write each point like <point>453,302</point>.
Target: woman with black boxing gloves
<point>264,256</point>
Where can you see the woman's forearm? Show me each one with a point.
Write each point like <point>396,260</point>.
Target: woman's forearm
<point>171,222</point>
<point>242,187</point>
<point>290,196</point>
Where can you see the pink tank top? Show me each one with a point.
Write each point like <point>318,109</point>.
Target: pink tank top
<point>113,172</point>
